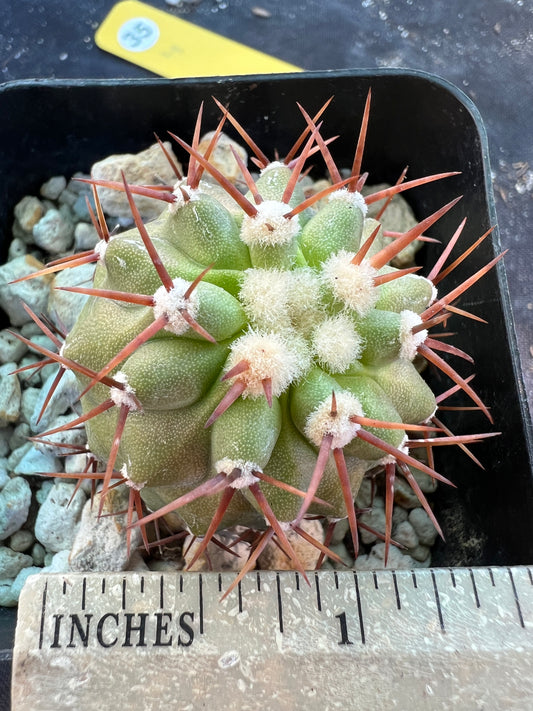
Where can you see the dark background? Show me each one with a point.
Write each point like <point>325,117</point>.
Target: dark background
<point>485,47</point>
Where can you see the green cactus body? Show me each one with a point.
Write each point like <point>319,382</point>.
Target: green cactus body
<point>290,349</point>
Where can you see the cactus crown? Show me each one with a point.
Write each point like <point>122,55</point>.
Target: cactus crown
<point>246,358</point>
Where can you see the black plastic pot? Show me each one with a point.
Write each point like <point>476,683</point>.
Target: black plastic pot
<point>59,127</point>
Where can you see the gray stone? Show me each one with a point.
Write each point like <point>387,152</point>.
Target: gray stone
<point>36,462</point>
<point>17,454</point>
<point>10,395</point>
<point>58,518</point>
<point>11,348</point>
<point>28,212</point>
<point>18,583</point>
<point>148,167</point>
<point>42,493</point>
<point>375,560</point>
<point>363,499</point>
<point>37,553</point>
<point>59,563</point>
<point>17,248</point>
<point>341,529</point>
<point>20,435</point>
<point>376,520</point>
<point>423,525</point>
<point>53,232</point>
<point>76,184</point>
<point>273,558</point>
<point>222,157</point>
<point>11,562</point>
<point>405,534</point>
<point>53,187</point>
<point>64,306</point>
<point>422,554</point>
<point>6,597</point>
<point>5,436</point>
<point>399,515</point>
<point>215,558</point>
<point>15,500</point>
<point>403,494</point>
<point>75,438</point>
<point>101,543</point>
<point>29,399</point>
<point>4,476</point>
<point>33,292</point>
<point>85,237</point>
<point>30,329</point>
<point>68,196</point>
<point>342,551</point>
<point>80,209</point>
<point>21,540</point>
<point>64,396</point>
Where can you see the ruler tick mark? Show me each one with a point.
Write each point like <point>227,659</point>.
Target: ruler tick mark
<point>415,581</point>
<point>517,601</point>
<point>530,576</point>
<point>142,583</point>
<point>474,587</point>
<point>280,605</point>
<point>452,575</point>
<point>359,608</point>
<point>336,578</point>
<point>374,575</point>
<point>161,592</point>
<point>437,599</point>
<point>219,583</point>
<point>297,579</point>
<point>258,581</point>
<point>318,600</point>
<point>83,593</point>
<point>239,591</point>
<point>396,591</point>
<point>181,583</point>
<point>103,586</point>
<point>64,587</point>
<point>43,611</point>
<point>123,593</point>
<point>491,575</point>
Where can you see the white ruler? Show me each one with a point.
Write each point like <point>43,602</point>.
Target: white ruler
<point>425,639</point>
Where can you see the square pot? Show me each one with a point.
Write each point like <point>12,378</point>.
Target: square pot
<point>58,127</point>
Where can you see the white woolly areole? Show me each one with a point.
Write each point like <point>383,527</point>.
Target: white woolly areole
<point>321,422</point>
<point>271,166</point>
<point>269,355</point>
<point>170,303</point>
<point>352,198</point>
<point>269,226</point>
<point>100,249</point>
<point>123,396</point>
<point>410,341</point>
<point>305,304</point>
<point>352,284</point>
<point>246,478</point>
<point>264,295</point>
<point>129,482</point>
<point>336,343</point>
<point>180,201</point>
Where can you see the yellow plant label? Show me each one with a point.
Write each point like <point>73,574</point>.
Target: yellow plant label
<point>172,47</point>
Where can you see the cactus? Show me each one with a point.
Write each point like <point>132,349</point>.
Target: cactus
<point>247,358</point>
